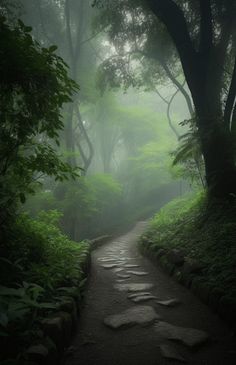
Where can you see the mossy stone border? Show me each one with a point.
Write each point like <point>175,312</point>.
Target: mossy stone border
<point>191,278</point>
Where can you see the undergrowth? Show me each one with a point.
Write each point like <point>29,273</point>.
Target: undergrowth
<point>39,267</point>
<point>206,232</point>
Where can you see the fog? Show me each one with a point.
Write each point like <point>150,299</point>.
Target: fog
<point>122,129</point>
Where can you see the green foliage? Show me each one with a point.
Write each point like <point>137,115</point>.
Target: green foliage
<point>91,203</point>
<point>188,155</point>
<point>44,251</point>
<point>139,65</point>
<point>206,232</point>
<point>39,266</point>
<point>34,86</point>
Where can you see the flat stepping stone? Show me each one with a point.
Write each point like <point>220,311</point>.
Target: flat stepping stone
<point>142,298</point>
<point>169,302</point>
<point>109,266</point>
<point>138,294</point>
<point>141,315</point>
<point>131,265</point>
<point>121,262</point>
<point>138,273</point>
<point>112,261</point>
<point>130,287</point>
<point>188,336</point>
<point>123,276</point>
<point>169,352</point>
<point>117,269</point>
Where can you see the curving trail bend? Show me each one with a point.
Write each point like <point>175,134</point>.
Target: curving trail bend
<point>158,323</point>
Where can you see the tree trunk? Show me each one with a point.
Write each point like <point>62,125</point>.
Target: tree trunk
<point>217,148</point>
<point>69,136</point>
<point>203,69</point>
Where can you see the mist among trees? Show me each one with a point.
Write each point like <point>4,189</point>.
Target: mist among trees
<point>109,110</point>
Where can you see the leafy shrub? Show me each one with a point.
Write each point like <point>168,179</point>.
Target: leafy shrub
<point>39,265</point>
<point>34,86</point>
<point>206,232</point>
<point>89,206</point>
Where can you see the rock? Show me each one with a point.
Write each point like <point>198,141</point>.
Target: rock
<point>192,266</point>
<point>68,305</point>
<point>109,266</point>
<point>107,259</point>
<point>189,336</point>
<point>117,269</point>
<point>176,257</point>
<point>167,266</point>
<point>99,240</point>
<point>131,265</point>
<point>169,352</point>
<point>138,273</point>
<point>37,353</point>
<point>142,298</point>
<point>141,315</point>
<point>161,252</point>
<point>58,328</point>
<point>169,302</point>
<point>186,279</point>
<point>121,261</point>
<point>130,287</point>
<point>66,327</point>
<point>70,351</point>
<point>123,276</point>
<point>177,275</point>
<point>138,294</point>
<point>52,327</point>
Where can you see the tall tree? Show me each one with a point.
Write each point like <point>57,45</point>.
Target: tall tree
<point>203,33</point>
<point>203,64</point>
<point>67,23</point>
<point>34,87</point>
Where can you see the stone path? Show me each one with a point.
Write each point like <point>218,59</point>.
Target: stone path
<point>133,314</point>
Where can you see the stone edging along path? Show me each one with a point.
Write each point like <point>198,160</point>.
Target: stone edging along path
<point>60,326</point>
<point>188,273</point>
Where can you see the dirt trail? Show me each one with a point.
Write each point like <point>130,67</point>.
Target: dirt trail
<point>97,344</point>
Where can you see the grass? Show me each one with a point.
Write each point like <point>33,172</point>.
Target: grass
<point>206,232</point>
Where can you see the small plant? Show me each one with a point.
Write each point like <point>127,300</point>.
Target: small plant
<point>49,269</point>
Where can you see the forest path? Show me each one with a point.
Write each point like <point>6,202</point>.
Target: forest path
<point>107,294</point>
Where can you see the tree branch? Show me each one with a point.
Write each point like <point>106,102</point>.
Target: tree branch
<point>68,29</point>
<point>38,4</point>
<point>206,31</point>
<point>168,113</point>
<point>179,86</point>
<point>230,99</point>
<point>92,37</point>
<point>173,18</point>
<point>88,159</point>
<point>79,30</point>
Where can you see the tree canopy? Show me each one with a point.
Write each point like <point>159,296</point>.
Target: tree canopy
<point>203,36</point>
<point>34,86</point>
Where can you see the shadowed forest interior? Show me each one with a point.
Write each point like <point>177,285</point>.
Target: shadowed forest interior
<point>117,141</point>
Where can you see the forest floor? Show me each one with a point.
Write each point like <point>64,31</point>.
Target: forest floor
<point>142,336</point>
